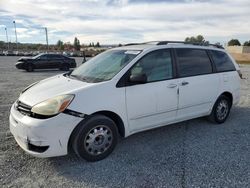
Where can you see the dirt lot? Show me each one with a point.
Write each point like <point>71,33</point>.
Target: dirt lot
<point>193,153</point>
<point>242,58</point>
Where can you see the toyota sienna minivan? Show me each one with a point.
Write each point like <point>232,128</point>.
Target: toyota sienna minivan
<point>123,91</point>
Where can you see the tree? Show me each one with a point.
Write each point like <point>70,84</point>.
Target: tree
<point>234,42</point>
<point>2,43</point>
<point>77,45</point>
<point>247,43</point>
<point>97,44</point>
<point>60,45</point>
<point>197,39</point>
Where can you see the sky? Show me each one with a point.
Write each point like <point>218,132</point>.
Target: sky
<point>124,21</point>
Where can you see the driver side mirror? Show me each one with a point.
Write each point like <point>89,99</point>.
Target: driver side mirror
<point>138,78</point>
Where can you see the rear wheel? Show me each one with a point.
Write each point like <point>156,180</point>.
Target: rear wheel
<point>96,138</point>
<point>221,109</point>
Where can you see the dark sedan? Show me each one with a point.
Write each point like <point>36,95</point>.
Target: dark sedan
<point>46,61</point>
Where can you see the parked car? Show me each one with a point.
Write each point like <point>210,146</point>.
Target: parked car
<point>121,92</point>
<point>8,53</point>
<point>46,61</point>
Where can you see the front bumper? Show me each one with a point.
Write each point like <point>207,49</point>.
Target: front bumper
<point>19,65</point>
<point>42,137</point>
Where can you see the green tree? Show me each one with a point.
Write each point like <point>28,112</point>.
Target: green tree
<point>234,42</point>
<point>197,39</point>
<point>60,45</point>
<point>247,43</point>
<point>2,44</point>
<point>77,45</point>
<point>97,44</point>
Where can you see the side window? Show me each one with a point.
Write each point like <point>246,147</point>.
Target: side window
<point>193,62</point>
<point>156,66</point>
<point>59,57</point>
<point>52,56</point>
<point>222,61</point>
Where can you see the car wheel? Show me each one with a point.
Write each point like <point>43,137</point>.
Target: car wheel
<point>221,110</point>
<point>96,138</point>
<point>30,68</point>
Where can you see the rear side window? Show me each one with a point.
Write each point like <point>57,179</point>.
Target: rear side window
<point>52,56</point>
<point>58,57</point>
<point>222,61</point>
<point>193,62</point>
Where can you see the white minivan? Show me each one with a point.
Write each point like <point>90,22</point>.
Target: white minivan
<point>123,91</point>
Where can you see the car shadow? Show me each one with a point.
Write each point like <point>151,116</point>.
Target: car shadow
<point>163,156</point>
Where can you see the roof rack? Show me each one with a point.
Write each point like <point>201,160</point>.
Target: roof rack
<point>141,43</point>
<point>192,43</point>
<point>130,44</point>
<point>178,42</point>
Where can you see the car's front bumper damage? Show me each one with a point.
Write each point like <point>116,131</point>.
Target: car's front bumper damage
<point>43,137</point>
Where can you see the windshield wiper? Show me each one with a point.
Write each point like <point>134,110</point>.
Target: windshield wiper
<point>75,76</point>
<point>78,78</point>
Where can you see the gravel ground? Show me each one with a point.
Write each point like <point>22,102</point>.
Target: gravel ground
<point>193,153</point>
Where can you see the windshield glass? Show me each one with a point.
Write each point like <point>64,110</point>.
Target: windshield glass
<point>35,57</point>
<point>104,66</point>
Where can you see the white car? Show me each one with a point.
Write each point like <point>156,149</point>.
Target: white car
<point>123,91</point>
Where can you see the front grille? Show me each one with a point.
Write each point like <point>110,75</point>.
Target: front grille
<point>23,108</point>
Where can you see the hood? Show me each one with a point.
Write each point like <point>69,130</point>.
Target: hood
<point>24,58</point>
<point>51,87</point>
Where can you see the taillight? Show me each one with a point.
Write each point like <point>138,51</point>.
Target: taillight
<point>240,74</point>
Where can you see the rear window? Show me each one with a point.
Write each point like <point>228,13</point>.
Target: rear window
<point>193,62</point>
<point>222,61</point>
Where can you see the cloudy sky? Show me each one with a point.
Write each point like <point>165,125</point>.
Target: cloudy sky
<point>124,21</point>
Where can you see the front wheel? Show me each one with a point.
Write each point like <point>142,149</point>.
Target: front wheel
<point>221,109</point>
<point>30,68</point>
<point>96,138</point>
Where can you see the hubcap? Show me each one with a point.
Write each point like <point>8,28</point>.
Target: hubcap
<point>98,140</point>
<point>222,110</point>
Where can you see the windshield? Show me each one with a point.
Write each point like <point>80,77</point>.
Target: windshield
<point>104,66</point>
<point>35,57</point>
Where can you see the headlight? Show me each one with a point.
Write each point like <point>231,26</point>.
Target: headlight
<point>52,106</point>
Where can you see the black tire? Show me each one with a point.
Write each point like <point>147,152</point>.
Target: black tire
<point>221,110</point>
<point>95,138</point>
<point>30,68</point>
<point>65,67</point>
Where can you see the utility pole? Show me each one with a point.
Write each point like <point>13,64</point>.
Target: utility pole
<point>7,38</point>
<point>16,34</point>
<point>46,33</point>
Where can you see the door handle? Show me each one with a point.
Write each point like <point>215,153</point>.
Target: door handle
<point>172,85</point>
<point>184,83</point>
